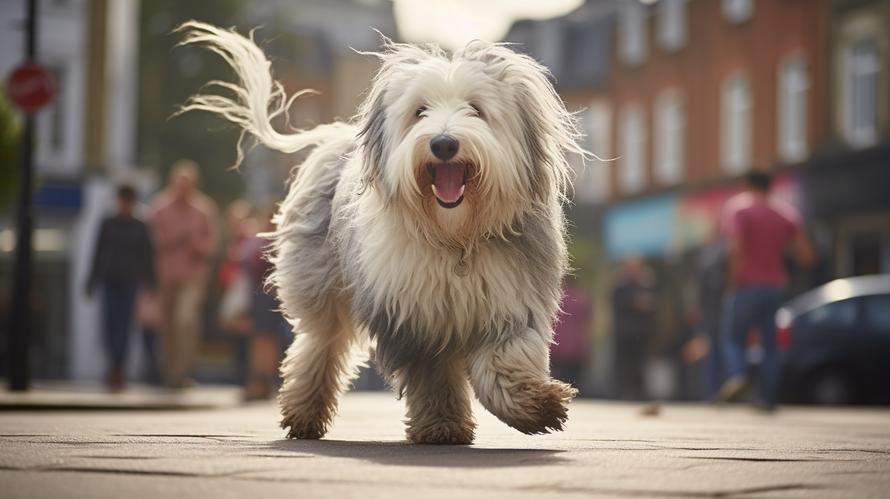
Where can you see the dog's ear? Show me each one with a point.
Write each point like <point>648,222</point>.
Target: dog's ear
<point>373,138</point>
<point>548,130</point>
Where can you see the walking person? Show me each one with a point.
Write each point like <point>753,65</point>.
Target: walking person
<point>123,262</point>
<point>271,333</point>
<point>633,302</point>
<point>183,225</point>
<point>233,285</point>
<point>569,351</point>
<point>759,230</point>
<point>713,263</point>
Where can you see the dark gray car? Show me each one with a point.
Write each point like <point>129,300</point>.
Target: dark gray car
<point>837,340</point>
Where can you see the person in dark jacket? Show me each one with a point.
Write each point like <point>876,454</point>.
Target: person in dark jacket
<point>713,265</point>
<point>633,302</point>
<point>122,263</point>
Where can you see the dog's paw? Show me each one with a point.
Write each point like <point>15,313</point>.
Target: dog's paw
<point>543,407</point>
<point>442,433</point>
<point>304,429</point>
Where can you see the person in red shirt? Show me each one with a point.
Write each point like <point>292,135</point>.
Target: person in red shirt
<point>759,230</point>
<point>184,229</point>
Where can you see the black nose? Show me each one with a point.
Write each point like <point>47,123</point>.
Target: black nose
<point>444,147</point>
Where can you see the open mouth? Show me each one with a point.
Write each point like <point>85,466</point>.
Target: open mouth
<point>449,182</point>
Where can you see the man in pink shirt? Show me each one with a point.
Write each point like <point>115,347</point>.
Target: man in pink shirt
<point>759,229</point>
<point>183,228</point>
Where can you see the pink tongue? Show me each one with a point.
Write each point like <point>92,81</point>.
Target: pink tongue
<point>449,182</point>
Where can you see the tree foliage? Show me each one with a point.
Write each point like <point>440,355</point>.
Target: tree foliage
<point>168,76</point>
<point>10,136</point>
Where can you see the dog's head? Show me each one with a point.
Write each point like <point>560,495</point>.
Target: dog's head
<point>466,142</point>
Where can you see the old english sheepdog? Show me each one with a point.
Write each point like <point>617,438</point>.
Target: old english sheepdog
<point>427,231</point>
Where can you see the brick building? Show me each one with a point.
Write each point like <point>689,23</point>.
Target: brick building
<point>847,185</point>
<point>686,96</point>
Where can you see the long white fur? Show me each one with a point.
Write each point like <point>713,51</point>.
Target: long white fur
<point>388,247</point>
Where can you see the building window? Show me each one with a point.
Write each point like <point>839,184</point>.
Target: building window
<point>735,125</point>
<point>670,136</point>
<point>672,24</point>
<point>861,92</point>
<point>592,183</point>
<point>632,32</point>
<point>738,11</point>
<point>55,113</point>
<point>54,123</point>
<point>632,167</point>
<point>793,87</point>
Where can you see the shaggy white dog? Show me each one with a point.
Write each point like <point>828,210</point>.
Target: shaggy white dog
<point>428,229</point>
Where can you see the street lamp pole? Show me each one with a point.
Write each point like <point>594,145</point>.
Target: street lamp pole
<point>19,334</point>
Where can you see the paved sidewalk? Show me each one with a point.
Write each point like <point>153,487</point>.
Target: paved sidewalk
<point>55,396</point>
<point>609,450</point>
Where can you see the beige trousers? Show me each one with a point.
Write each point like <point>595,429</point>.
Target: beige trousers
<point>181,326</point>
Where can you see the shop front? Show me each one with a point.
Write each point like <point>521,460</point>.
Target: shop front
<point>848,196</point>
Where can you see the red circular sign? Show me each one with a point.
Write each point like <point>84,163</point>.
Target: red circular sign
<point>30,87</point>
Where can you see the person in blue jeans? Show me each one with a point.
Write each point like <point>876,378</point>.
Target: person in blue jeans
<point>123,262</point>
<point>759,230</point>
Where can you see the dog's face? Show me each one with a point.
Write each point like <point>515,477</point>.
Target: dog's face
<point>466,143</point>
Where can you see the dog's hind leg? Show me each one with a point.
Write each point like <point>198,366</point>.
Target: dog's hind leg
<point>438,400</point>
<point>319,365</point>
<point>511,377</point>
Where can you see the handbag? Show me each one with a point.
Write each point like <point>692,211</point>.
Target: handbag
<point>148,313</point>
<point>235,303</point>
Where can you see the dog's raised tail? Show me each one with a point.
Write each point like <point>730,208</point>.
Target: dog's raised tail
<point>256,99</point>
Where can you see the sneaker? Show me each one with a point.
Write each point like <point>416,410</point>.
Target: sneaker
<point>117,381</point>
<point>733,390</point>
<point>651,410</point>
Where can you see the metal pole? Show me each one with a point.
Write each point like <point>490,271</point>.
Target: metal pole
<point>20,332</point>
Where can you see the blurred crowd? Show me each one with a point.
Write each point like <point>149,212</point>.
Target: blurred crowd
<point>159,271</point>
<point>740,278</point>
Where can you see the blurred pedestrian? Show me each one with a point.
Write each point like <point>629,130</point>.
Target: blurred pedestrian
<point>148,323</point>
<point>123,262</point>
<point>183,222</point>
<point>633,303</point>
<point>233,284</point>
<point>759,230</point>
<point>271,332</point>
<point>713,265</point>
<point>568,354</point>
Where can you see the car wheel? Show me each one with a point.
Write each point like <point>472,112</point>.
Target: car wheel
<point>831,387</point>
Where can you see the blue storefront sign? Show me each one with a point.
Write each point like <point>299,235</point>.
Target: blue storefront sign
<point>645,227</point>
<point>59,195</point>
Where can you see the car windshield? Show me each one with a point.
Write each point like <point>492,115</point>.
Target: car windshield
<point>876,312</point>
<point>839,314</point>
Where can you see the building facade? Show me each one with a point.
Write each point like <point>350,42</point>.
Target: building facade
<point>848,187</point>
<point>94,133</point>
<point>681,98</point>
<point>84,140</point>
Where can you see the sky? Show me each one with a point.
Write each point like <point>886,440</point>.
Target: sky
<point>453,23</point>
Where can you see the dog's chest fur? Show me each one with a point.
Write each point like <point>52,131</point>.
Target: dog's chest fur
<point>417,299</point>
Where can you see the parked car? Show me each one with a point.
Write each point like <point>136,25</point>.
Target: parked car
<point>837,341</point>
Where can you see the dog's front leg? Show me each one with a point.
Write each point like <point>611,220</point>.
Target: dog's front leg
<point>438,400</point>
<point>317,368</point>
<point>511,377</point>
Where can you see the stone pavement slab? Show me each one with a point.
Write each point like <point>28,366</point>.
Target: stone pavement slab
<point>608,450</point>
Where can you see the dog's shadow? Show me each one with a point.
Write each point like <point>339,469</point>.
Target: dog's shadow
<point>405,454</point>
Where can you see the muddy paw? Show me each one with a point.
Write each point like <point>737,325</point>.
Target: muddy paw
<point>544,407</point>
